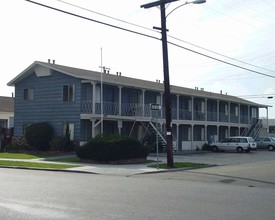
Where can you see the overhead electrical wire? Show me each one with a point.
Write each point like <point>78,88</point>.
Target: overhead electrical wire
<point>90,19</point>
<point>149,36</point>
<point>152,30</point>
<point>213,58</point>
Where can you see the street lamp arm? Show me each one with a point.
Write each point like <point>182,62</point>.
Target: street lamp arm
<point>187,2</point>
<point>157,3</point>
<point>176,8</point>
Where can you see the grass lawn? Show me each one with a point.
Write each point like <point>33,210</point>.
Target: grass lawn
<point>22,156</point>
<point>34,165</point>
<point>179,165</point>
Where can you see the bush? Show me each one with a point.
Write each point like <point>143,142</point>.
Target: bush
<point>15,147</point>
<point>39,135</point>
<point>61,144</point>
<point>112,148</point>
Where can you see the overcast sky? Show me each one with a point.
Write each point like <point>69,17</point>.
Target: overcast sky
<point>235,31</point>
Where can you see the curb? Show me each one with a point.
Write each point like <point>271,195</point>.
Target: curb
<point>49,169</point>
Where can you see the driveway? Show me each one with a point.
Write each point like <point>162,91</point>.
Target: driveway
<point>222,158</point>
<point>254,169</point>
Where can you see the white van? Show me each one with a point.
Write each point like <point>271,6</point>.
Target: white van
<point>238,143</point>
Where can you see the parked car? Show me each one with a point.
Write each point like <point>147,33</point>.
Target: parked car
<point>238,143</point>
<point>266,143</point>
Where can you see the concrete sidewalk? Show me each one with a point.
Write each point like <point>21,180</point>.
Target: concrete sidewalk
<point>106,169</point>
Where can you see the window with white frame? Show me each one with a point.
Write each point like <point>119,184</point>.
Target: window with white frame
<point>70,126</point>
<point>68,93</point>
<point>28,94</point>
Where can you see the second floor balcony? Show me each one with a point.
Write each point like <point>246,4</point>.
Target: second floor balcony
<point>139,110</point>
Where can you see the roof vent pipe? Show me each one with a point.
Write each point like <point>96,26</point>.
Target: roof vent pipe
<point>53,61</point>
<point>49,60</point>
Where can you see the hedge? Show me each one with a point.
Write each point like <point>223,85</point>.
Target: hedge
<point>112,148</point>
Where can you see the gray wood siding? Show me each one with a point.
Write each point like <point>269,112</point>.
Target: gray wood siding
<point>47,105</point>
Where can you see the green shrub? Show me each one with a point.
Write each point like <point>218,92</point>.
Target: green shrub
<point>15,147</point>
<point>112,148</point>
<point>62,144</point>
<point>39,135</point>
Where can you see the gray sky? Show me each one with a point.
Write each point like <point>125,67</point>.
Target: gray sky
<point>235,31</point>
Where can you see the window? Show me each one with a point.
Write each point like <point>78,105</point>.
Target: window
<point>28,94</point>
<point>71,130</point>
<point>68,93</point>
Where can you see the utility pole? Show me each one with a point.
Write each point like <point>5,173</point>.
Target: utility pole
<point>167,94</point>
<point>103,69</point>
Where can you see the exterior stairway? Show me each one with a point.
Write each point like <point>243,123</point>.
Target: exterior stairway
<point>253,130</point>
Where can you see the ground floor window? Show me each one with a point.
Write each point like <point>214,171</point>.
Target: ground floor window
<point>69,127</point>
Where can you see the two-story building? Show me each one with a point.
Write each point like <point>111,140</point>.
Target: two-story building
<point>60,94</point>
<point>6,120</point>
<point>6,111</point>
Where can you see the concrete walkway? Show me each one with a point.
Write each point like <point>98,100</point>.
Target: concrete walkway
<point>109,169</point>
<point>105,169</point>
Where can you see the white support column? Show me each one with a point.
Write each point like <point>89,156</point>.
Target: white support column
<point>218,133</point>
<point>178,106</point>
<point>249,115</point>
<point>177,142</point>
<point>239,109</point>
<point>119,100</point>
<point>205,109</point>
<point>93,129</point>
<point>267,124</point>
<point>143,102</point>
<point>205,133</point>
<point>192,136</point>
<point>94,97</point>
<point>229,112</point>
<point>218,110</point>
<point>192,107</point>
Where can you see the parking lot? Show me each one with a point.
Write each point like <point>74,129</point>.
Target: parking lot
<point>254,169</point>
<point>222,158</point>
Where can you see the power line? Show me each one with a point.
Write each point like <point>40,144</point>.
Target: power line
<point>104,15</point>
<point>146,35</point>
<point>213,58</point>
<point>93,20</point>
<point>152,30</point>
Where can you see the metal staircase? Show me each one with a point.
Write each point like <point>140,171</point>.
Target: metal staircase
<point>151,130</point>
<point>253,130</point>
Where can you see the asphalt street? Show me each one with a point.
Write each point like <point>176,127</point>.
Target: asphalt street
<point>33,194</point>
<point>240,187</point>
